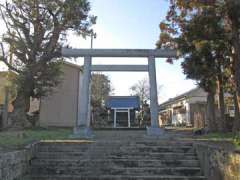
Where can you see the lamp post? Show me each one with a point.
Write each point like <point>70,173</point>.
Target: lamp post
<point>92,35</point>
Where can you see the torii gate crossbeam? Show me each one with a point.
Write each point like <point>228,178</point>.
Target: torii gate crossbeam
<point>82,128</point>
<point>161,53</point>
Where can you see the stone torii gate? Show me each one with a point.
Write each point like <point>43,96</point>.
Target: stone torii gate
<point>82,128</point>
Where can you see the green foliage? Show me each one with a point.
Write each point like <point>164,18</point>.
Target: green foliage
<point>42,83</point>
<point>36,32</point>
<point>203,31</point>
<point>100,89</point>
<point>11,139</point>
<point>201,39</point>
<point>231,137</point>
<point>236,139</point>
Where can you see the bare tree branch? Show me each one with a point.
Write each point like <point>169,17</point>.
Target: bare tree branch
<point>4,59</point>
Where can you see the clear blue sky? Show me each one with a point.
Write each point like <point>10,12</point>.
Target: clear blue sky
<point>135,24</point>
<point>132,24</point>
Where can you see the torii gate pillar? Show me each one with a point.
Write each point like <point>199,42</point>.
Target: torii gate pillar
<point>154,129</point>
<point>82,128</point>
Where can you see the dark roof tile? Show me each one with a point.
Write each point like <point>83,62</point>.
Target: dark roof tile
<point>123,102</point>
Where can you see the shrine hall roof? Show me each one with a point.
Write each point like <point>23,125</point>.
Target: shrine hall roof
<point>123,102</point>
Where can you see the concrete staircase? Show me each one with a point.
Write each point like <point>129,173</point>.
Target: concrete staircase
<point>116,159</point>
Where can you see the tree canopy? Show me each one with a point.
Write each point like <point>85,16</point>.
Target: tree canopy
<point>202,31</point>
<point>101,88</point>
<point>36,31</point>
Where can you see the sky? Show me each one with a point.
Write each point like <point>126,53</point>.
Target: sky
<point>132,24</point>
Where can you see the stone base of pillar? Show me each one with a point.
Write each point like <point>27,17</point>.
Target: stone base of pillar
<point>155,131</point>
<point>82,133</point>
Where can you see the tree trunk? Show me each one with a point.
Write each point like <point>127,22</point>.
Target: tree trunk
<point>19,117</point>
<point>236,45</point>
<point>236,124</point>
<point>222,121</point>
<point>211,117</point>
<point>5,112</point>
<point>142,112</point>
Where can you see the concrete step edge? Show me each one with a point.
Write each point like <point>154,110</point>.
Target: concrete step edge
<point>121,160</point>
<point>149,168</point>
<point>118,176</point>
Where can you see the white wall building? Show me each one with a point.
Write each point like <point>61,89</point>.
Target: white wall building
<point>185,109</point>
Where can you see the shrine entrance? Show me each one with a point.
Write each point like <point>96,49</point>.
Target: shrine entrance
<point>122,110</point>
<point>82,127</point>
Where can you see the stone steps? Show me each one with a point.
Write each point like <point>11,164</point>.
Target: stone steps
<point>116,162</point>
<point>118,177</point>
<point>117,155</point>
<point>112,143</point>
<point>113,148</point>
<point>130,158</point>
<point>101,171</point>
<point>125,141</point>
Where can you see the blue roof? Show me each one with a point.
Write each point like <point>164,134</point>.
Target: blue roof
<point>123,102</point>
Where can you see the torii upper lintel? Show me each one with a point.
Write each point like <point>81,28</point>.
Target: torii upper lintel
<point>158,53</point>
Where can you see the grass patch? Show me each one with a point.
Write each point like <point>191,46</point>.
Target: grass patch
<point>230,137</point>
<point>15,140</point>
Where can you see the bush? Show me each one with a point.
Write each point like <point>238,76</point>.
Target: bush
<point>236,139</point>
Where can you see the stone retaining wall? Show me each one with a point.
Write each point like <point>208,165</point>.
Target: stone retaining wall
<point>217,163</point>
<point>15,164</point>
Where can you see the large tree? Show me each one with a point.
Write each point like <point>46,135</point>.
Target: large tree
<point>101,88</point>
<point>141,89</point>
<point>36,31</point>
<point>197,29</point>
<point>230,9</point>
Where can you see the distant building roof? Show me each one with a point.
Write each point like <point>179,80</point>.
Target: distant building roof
<point>123,102</point>
<point>74,65</point>
<point>196,92</point>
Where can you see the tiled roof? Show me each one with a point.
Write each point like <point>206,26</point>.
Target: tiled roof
<point>193,92</point>
<point>123,102</point>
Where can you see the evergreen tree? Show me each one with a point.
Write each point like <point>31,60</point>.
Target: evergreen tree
<point>197,30</point>
<point>36,31</point>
